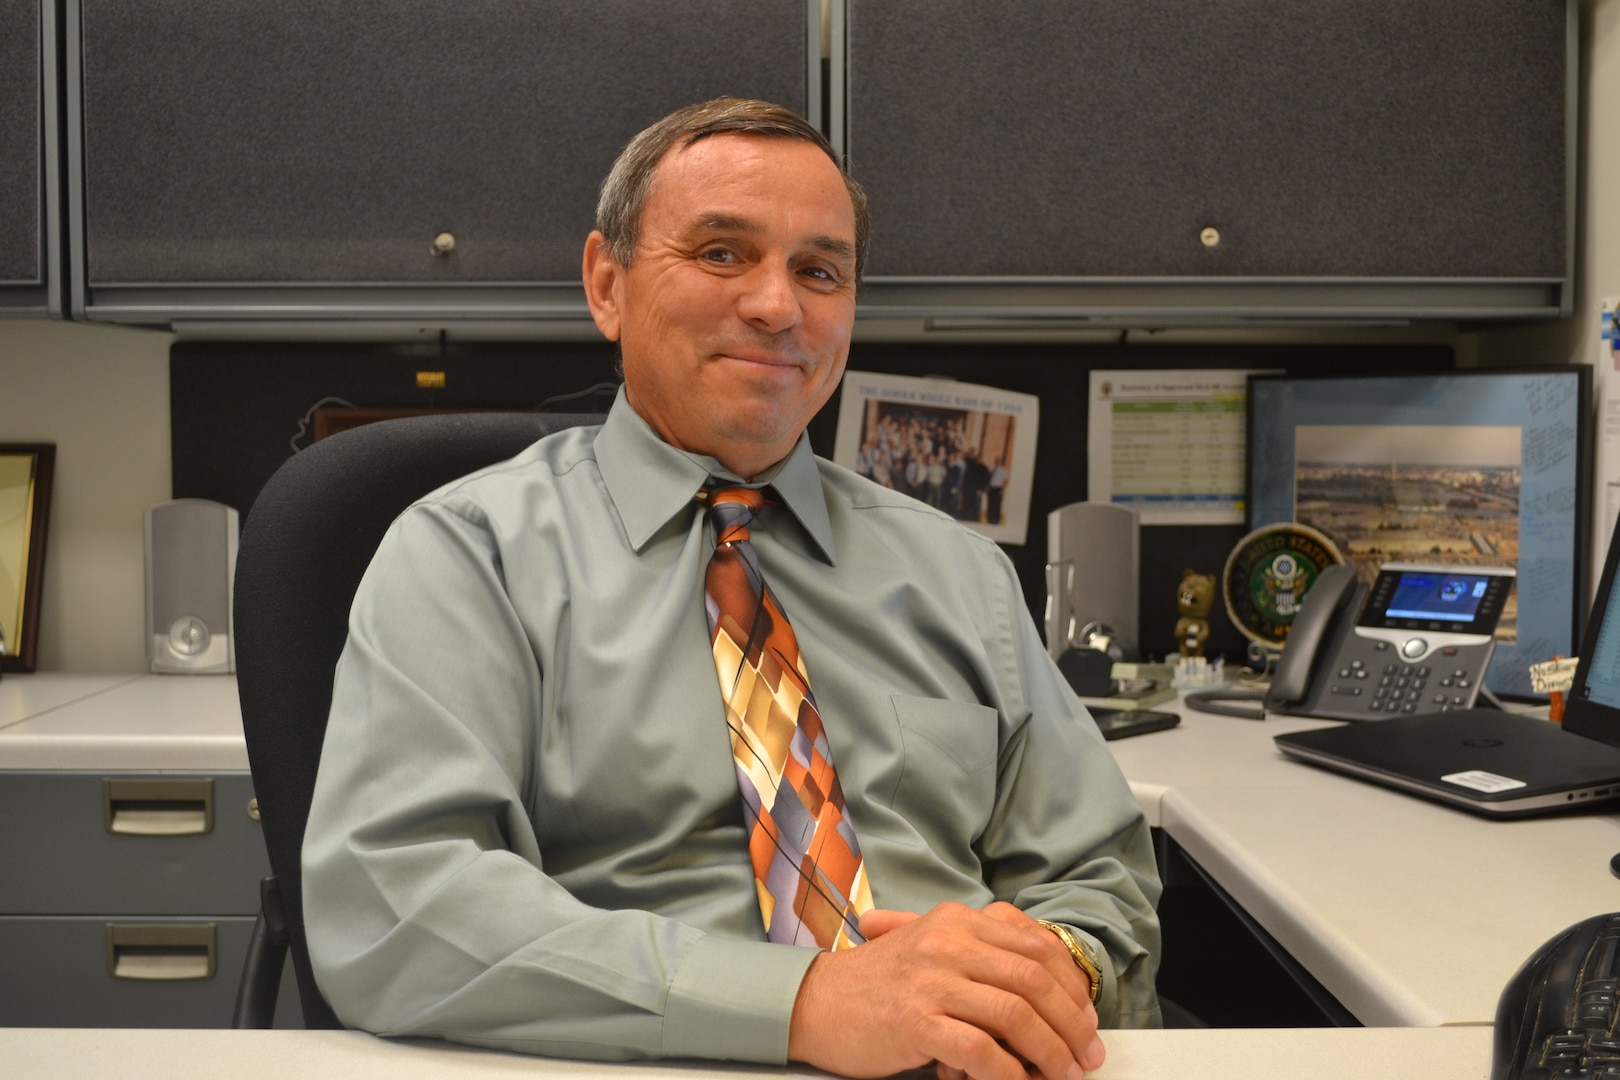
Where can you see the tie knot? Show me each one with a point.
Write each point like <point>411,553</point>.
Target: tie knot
<point>730,511</point>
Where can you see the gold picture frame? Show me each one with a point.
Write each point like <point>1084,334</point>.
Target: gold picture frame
<point>26,471</point>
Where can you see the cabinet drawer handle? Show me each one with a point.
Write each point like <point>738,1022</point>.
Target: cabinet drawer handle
<point>166,952</point>
<point>158,807</point>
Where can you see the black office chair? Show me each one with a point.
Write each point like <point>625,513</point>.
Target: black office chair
<point>308,539</point>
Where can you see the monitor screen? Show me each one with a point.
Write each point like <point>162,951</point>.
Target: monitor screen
<point>1602,683</point>
<point>1593,705</point>
<point>1481,467</point>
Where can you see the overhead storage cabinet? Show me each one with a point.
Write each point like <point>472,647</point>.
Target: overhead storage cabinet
<point>380,159</point>
<point>1167,160</point>
<point>30,279</point>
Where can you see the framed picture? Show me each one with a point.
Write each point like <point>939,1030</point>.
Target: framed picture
<point>25,509</point>
<point>1474,467</point>
<point>965,449</point>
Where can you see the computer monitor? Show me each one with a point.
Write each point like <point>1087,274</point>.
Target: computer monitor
<point>1592,705</point>
<point>1472,468</point>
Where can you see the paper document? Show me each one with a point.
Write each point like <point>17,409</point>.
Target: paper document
<point>1169,444</point>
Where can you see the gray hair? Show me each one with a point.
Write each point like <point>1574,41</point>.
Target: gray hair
<point>628,184</point>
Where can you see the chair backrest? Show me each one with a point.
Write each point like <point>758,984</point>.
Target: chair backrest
<point>308,539</point>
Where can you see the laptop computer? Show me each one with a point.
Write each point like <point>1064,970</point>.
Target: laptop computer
<point>1495,763</point>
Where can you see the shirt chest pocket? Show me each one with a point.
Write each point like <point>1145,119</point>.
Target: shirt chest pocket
<point>948,780</point>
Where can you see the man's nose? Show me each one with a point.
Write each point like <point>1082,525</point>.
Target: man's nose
<point>769,298</point>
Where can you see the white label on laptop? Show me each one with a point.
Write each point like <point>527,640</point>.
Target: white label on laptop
<point>1480,780</point>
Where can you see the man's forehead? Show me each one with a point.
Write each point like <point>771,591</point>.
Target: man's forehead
<point>741,154</point>
<point>701,194</point>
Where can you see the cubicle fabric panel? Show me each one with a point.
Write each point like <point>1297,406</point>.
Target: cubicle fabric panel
<point>21,122</point>
<point>1318,138</point>
<point>302,141</point>
<point>239,410</point>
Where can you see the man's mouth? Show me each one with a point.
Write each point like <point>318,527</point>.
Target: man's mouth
<point>761,357</point>
<point>768,361</point>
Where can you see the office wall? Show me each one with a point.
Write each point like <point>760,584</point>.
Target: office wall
<point>101,394</point>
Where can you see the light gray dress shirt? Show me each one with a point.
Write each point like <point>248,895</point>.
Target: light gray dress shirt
<point>526,832</point>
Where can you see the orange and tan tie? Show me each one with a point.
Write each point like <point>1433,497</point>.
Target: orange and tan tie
<point>807,863</point>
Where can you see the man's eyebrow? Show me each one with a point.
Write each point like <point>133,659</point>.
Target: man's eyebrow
<point>726,223</point>
<point>835,246</point>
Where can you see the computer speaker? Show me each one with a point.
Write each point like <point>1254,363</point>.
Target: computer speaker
<point>190,569</point>
<point>1092,573</point>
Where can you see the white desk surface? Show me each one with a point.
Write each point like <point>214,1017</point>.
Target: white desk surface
<point>1284,1054</point>
<point>1407,911</point>
<point>1205,749</point>
<point>32,694</point>
<point>149,722</point>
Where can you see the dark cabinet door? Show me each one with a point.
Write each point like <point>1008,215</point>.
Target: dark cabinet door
<point>28,118</point>
<point>384,142</point>
<point>1217,143</point>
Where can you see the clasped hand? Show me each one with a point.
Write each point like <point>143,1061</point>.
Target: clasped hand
<point>983,994</point>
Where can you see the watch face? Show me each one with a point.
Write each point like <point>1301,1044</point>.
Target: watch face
<point>1268,574</point>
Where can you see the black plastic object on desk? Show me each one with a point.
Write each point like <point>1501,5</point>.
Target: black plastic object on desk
<point>1557,1015</point>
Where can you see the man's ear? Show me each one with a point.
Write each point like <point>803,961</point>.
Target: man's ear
<point>601,273</point>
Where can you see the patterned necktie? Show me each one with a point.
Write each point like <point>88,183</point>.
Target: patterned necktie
<point>807,864</point>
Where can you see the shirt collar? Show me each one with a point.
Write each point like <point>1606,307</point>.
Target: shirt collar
<point>650,481</point>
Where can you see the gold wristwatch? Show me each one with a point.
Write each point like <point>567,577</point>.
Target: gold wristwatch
<point>1084,957</point>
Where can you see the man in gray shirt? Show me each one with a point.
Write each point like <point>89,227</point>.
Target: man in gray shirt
<point>527,830</point>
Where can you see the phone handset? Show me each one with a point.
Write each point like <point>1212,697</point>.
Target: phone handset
<point>1319,613</point>
<point>1320,616</point>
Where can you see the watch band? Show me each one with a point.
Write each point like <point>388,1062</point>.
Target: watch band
<point>1084,957</point>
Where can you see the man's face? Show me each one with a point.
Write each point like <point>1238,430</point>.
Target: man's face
<point>735,314</point>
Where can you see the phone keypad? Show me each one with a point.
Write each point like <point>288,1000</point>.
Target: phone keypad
<point>1370,682</point>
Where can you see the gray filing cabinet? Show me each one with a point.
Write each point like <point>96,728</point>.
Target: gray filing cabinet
<point>130,855</point>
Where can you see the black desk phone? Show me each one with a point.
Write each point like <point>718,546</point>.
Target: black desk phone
<point>1418,640</point>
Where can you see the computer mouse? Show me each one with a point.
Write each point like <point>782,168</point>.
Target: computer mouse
<point>1557,1012</point>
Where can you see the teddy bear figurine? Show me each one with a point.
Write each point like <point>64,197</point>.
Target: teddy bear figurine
<point>1194,597</point>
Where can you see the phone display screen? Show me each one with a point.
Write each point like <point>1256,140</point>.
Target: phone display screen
<point>1451,598</point>
<point>1437,598</point>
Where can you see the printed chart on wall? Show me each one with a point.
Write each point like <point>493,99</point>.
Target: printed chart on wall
<point>1606,377</point>
<point>1169,444</point>
<point>965,449</point>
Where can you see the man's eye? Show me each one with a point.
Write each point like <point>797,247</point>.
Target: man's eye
<point>719,255</point>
